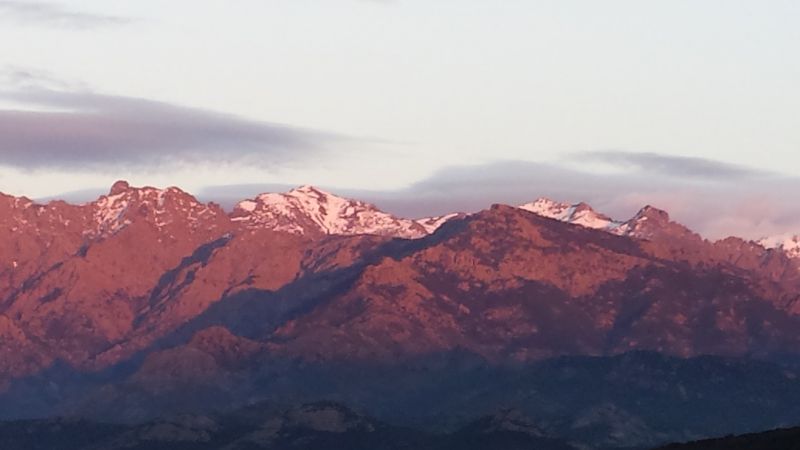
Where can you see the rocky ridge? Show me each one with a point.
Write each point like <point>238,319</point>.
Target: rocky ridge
<point>310,275</point>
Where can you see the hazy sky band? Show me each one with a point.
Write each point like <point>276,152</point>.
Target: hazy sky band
<point>379,95</point>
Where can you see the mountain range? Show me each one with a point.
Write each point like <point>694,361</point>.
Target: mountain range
<point>148,302</point>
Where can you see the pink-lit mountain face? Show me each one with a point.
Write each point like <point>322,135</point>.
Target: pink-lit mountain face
<point>153,275</point>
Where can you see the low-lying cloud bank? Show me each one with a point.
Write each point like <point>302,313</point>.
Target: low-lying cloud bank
<point>732,202</point>
<point>713,198</point>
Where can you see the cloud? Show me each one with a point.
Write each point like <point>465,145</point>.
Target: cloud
<point>86,130</point>
<point>726,207</point>
<point>53,15</point>
<point>471,188</point>
<point>749,204</point>
<point>19,78</point>
<point>672,166</point>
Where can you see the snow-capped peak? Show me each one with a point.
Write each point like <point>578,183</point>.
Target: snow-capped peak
<point>548,208</point>
<point>578,214</point>
<point>125,204</point>
<point>308,210</point>
<point>648,223</point>
<point>651,222</point>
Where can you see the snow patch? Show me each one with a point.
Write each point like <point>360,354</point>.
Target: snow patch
<point>307,209</point>
<point>431,224</point>
<point>578,214</point>
<point>160,207</point>
<point>788,243</point>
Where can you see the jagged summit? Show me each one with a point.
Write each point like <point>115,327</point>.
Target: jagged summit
<point>650,212</point>
<point>651,222</point>
<point>126,204</point>
<point>312,211</point>
<point>579,214</point>
<point>307,210</point>
<point>119,187</point>
<point>310,190</point>
<point>123,187</point>
<point>648,223</point>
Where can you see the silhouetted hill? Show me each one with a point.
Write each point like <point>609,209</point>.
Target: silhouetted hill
<point>783,439</point>
<point>307,427</point>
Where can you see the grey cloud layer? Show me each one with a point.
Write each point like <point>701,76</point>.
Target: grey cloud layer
<point>749,204</point>
<point>51,14</point>
<point>672,166</point>
<point>714,198</point>
<point>716,209</point>
<point>87,130</point>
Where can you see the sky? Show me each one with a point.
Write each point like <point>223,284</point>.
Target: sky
<point>420,106</point>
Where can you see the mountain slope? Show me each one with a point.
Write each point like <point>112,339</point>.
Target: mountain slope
<point>147,300</point>
<point>97,283</point>
<point>505,283</point>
